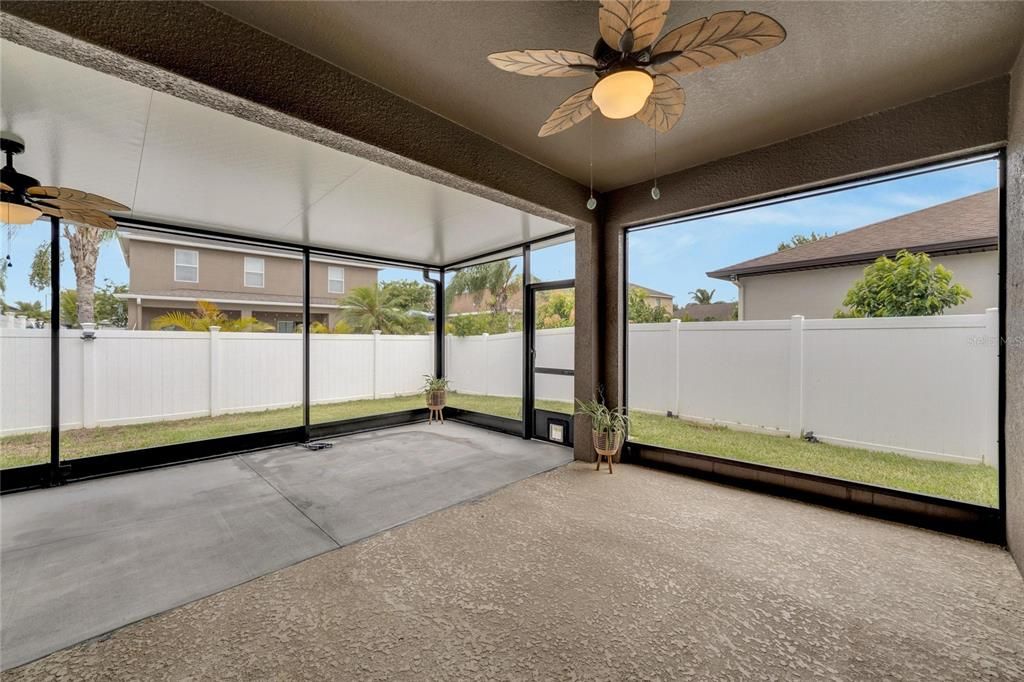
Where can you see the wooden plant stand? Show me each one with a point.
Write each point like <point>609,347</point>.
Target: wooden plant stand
<point>606,447</point>
<point>607,454</point>
<point>437,412</point>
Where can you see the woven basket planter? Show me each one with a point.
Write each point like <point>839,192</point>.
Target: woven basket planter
<point>437,398</point>
<point>607,444</point>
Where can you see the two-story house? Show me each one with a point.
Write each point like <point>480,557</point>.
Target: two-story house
<point>171,272</point>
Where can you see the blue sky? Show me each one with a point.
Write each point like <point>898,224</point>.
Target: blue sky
<point>671,258</point>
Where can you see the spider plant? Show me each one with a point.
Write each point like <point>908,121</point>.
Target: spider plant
<point>604,420</point>
<point>432,383</point>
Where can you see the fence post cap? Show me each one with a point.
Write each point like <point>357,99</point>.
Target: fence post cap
<point>214,329</point>
<point>376,332</point>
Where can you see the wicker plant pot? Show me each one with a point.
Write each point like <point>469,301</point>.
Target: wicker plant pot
<point>437,399</point>
<point>607,444</point>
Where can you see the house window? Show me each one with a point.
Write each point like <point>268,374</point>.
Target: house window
<point>335,279</point>
<point>253,272</point>
<point>285,326</point>
<point>186,265</point>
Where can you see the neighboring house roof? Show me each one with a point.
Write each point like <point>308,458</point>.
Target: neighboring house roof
<point>650,292</point>
<point>968,224</point>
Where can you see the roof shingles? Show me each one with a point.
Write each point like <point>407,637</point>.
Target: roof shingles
<point>968,223</point>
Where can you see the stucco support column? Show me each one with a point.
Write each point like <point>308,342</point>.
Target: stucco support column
<point>599,277</point>
<point>1013,311</point>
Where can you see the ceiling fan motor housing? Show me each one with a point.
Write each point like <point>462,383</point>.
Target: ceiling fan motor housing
<point>610,60</point>
<point>18,182</point>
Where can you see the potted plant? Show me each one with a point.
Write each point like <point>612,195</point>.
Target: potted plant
<point>436,391</point>
<point>608,425</point>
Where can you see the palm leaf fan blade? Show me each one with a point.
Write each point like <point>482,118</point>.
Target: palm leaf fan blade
<point>643,18</point>
<point>715,40</point>
<point>546,63</point>
<point>570,112</point>
<point>665,105</point>
<point>94,201</point>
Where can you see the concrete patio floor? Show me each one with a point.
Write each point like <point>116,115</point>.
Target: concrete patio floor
<point>82,560</point>
<point>575,574</point>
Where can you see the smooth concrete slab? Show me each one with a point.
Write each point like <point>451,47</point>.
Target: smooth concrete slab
<point>374,481</point>
<point>79,561</point>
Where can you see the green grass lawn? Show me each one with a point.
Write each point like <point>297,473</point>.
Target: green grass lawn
<point>968,482</point>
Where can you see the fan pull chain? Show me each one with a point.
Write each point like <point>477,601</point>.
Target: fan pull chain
<point>10,238</point>
<point>655,192</point>
<point>591,202</point>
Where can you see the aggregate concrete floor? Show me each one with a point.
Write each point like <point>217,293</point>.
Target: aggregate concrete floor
<point>580,575</point>
<point>79,561</point>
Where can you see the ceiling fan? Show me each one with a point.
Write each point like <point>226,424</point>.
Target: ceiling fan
<point>23,199</point>
<point>627,52</point>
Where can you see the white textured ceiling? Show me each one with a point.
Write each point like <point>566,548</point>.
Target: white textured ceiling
<point>177,162</point>
<point>841,60</point>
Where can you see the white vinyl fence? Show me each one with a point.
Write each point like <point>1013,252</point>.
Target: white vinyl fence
<point>920,386</point>
<point>926,387</point>
<point>126,377</point>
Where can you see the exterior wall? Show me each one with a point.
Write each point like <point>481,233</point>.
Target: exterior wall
<point>952,123</point>
<point>152,269</point>
<point>1014,343</point>
<point>818,293</point>
<point>663,302</point>
<point>222,272</point>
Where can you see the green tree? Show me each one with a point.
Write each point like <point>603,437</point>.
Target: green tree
<point>366,309</point>
<point>496,282</point>
<point>702,296</point>
<point>798,239</point>
<point>907,286</point>
<point>341,327</point>
<point>407,295</point>
<point>558,310</point>
<point>206,315</point>
<point>481,323</point>
<point>110,310</point>
<point>642,311</point>
<point>39,275</point>
<point>32,310</point>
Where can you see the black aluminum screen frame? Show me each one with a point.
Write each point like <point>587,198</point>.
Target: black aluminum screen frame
<point>58,472</point>
<point>990,522</point>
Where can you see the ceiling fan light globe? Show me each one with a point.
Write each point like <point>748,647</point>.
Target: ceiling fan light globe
<point>623,93</point>
<point>18,214</point>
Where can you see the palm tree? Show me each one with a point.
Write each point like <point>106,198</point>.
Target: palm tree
<point>84,243</point>
<point>497,280</point>
<point>205,316</point>
<point>702,296</point>
<point>366,309</point>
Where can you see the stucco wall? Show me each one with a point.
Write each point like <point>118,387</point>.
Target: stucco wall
<point>152,270</point>
<point>1015,318</point>
<point>818,293</point>
<point>953,123</point>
